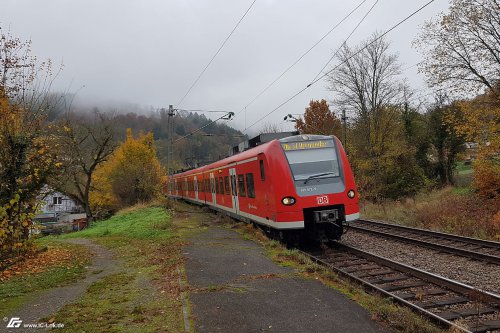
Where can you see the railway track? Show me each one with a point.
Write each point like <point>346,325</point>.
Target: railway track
<point>477,249</point>
<point>446,302</point>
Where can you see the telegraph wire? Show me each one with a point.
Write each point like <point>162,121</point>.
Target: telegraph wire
<point>302,56</point>
<point>215,55</point>
<point>338,65</point>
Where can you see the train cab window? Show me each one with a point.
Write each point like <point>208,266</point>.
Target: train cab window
<point>262,174</point>
<point>241,186</point>
<point>226,183</point>
<point>250,185</point>
<point>221,185</point>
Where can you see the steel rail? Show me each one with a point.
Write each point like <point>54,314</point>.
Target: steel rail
<point>471,293</point>
<point>431,244</point>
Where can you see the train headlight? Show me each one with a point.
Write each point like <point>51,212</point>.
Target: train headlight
<point>351,194</point>
<point>288,201</point>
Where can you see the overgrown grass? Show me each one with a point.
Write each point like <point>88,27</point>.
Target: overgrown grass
<point>455,210</point>
<point>145,295</point>
<point>18,289</point>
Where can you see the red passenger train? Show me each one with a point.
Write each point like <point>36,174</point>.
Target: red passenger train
<point>296,187</point>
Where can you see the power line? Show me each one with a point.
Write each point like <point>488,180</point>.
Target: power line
<point>345,40</point>
<point>302,56</point>
<point>203,111</point>
<point>227,116</point>
<point>215,55</point>
<point>344,61</point>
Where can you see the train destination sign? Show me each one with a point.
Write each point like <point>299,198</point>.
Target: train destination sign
<point>307,145</point>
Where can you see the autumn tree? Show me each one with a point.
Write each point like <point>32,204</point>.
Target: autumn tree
<point>462,47</point>
<point>318,119</point>
<point>479,122</point>
<point>85,143</point>
<point>132,174</point>
<point>27,155</point>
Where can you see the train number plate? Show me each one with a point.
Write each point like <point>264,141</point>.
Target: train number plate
<point>322,200</point>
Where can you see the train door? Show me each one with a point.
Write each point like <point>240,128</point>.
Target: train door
<point>234,190</point>
<point>186,187</point>
<point>212,187</point>
<point>195,188</point>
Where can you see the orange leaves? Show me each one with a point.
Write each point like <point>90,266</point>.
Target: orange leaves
<point>318,119</point>
<point>480,123</point>
<point>53,257</point>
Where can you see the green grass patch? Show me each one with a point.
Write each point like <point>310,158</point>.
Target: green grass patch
<point>145,223</point>
<point>145,295</point>
<point>121,302</point>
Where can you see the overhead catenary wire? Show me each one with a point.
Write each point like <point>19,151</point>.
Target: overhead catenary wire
<point>227,116</point>
<point>215,55</point>
<point>302,56</point>
<point>338,65</point>
<point>345,40</point>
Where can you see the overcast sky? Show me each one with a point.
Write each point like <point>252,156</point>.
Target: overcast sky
<point>149,52</point>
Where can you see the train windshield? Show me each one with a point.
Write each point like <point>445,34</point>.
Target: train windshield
<point>312,160</point>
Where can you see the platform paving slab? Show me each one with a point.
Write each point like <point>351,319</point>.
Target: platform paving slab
<point>234,287</point>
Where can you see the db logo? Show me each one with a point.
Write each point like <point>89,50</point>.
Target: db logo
<point>323,200</point>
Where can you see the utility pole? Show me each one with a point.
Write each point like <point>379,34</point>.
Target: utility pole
<point>170,128</point>
<point>344,120</point>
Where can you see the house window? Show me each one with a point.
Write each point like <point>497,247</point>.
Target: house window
<point>57,200</point>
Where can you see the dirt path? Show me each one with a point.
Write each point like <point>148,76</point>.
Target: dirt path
<point>49,302</point>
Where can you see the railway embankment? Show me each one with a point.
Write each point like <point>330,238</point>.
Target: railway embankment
<point>477,273</point>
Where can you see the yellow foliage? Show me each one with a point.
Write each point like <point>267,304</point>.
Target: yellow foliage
<point>132,174</point>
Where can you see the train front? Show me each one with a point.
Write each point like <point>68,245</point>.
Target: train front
<point>324,184</point>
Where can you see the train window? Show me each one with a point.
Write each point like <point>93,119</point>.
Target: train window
<point>250,186</point>
<point>226,183</point>
<point>241,186</point>
<point>221,185</point>
<point>262,174</point>
<point>196,185</point>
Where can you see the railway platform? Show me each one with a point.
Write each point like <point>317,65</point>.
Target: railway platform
<point>234,287</point>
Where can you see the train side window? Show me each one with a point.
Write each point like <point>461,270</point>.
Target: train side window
<point>196,185</point>
<point>250,186</point>
<point>262,173</point>
<point>241,186</point>
<point>221,184</point>
<point>226,183</point>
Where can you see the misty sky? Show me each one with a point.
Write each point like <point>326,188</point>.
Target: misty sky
<point>149,52</point>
